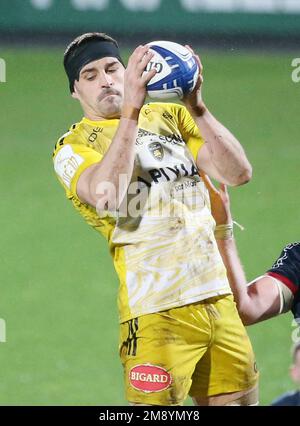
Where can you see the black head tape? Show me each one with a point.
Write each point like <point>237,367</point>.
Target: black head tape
<point>89,51</point>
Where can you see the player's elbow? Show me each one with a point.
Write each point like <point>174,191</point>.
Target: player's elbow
<point>247,319</point>
<point>247,312</point>
<point>244,176</point>
<point>105,205</point>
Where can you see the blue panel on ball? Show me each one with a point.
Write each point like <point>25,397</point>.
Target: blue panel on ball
<point>181,76</point>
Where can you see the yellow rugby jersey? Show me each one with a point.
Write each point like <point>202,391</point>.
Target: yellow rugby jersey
<point>161,238</point>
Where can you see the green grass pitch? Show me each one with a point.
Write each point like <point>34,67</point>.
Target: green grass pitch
<point>58,286</point>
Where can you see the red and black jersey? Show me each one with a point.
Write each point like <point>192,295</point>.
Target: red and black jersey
<point>287,270</point>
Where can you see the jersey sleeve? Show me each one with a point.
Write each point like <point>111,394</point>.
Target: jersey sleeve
<point>287,270</point>
<point>287,267</point>
<point>189,131</point>
<point>70,161</point>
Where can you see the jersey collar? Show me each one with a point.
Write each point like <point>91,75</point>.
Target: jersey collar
<point>100,122</point>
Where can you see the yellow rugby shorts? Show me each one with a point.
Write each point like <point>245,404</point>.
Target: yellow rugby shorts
<point>200,349</point>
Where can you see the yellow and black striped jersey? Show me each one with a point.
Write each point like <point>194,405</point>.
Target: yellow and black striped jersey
<point>161,238</point>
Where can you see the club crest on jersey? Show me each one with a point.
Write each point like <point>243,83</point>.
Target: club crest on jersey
<point>149,378</point>
<point>156,150</point>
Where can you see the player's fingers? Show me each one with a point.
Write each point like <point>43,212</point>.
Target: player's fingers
<point>148,75</point>
<point>200,66</point>
<point>189,48</point>
<point>199,81</point>
<point>197,58</point>
<point>142,52</point>
<point>224,193</point>
<point>138,53</point>
<point>142,65</point>
<point>208,183</point>
<point>223,188</point>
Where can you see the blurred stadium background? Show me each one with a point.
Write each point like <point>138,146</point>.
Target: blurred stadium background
<point>58,286</point>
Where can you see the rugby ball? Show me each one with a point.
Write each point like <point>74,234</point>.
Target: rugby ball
<point>177,70</point>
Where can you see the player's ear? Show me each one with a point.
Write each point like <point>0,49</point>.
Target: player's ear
<point>75,93</point>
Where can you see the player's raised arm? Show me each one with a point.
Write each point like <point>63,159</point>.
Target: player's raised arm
<point>222,156</point>
<point>100,185</point>
<point>261,299</point>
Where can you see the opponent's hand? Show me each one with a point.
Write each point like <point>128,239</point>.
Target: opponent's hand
<point>135,80</point>
<point>194,99</point>
<point>219,200</point>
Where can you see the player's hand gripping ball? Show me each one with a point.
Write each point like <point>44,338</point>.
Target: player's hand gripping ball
<point>177,70</point>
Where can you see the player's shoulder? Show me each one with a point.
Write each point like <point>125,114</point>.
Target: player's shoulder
<point>289,254</point>
<point>293,247</point>
<point>287,267</point>
<point>72,136</point>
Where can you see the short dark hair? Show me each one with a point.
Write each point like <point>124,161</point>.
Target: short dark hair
<point>84,39</point>
<point>86,48</point>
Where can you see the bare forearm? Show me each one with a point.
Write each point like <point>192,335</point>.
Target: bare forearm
<point>225,152</point>
<point>256,302</point>
<point>111,177</point>
<point>235,272</point>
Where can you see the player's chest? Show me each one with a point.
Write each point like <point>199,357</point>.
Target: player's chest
<point>156,150</point>
<point>151,149</point>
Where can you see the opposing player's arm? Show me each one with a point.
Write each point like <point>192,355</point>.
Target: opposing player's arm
<point>266,296</point>
<point>104,185</point>
<point>255,302</point>
<point>222,156</point>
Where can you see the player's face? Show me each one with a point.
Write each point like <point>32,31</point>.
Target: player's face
<point>100,88</point>
<point>295,369</point>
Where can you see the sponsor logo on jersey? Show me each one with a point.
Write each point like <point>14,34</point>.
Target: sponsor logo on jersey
<point>149,378</point>
<point>66,164</point>
<point>171,138</point>
<point>93,136</point>
<point>156,150</point>
<point>173,173</point>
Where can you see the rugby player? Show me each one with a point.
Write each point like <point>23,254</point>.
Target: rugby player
<point>131,170</point>
<point>275,292</point>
